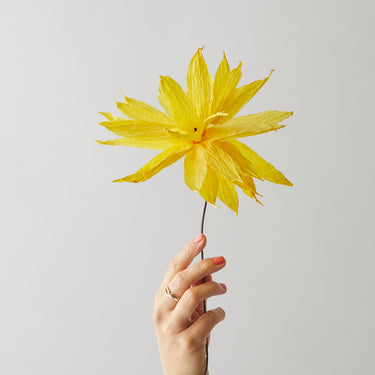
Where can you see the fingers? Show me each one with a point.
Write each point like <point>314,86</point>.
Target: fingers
<point>185,257</point>
<point>182,281</point>
<point>204,325</point>
<point>183,314</point>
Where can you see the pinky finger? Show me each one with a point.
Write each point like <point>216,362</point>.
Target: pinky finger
<point>202,328</point>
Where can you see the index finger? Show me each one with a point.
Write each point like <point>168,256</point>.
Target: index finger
<point>185,257</point>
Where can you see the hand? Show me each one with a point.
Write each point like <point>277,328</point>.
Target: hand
<point>181,326</point>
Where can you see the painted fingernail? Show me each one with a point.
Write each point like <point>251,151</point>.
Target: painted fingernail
<point>223,286</point>
<point>218,260</point>
<point>198,238</point>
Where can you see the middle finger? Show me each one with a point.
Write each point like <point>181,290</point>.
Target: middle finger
<point>190,276</point>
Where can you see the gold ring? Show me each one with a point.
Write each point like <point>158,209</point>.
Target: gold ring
<point>169,293</point>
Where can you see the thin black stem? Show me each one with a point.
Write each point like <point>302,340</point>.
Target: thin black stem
<point>204,301</point>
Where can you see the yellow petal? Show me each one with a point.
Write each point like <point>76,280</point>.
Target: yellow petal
<point>198,85</point>
<point>138,110</point>
<point>111,117</point>
<point>219,161</point>
<point>227,161</point>
<point>159,162</point>
<point>151,144</point>
<point>242,164</point>
<point>227,193</point>
<point>224,85</point>
<point>177,104</point>
<point>243,95</point>
<point>247,125</point>
<point>138,129</point>
<point>263,168</point>
<point>209,187</point>
<point>251,193</point>
<point>248,187</point>
<point>195,169</point>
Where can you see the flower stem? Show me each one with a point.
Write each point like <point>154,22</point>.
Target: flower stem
<point>204,301</point>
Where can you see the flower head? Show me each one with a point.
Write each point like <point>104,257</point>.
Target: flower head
<point>201,126</point>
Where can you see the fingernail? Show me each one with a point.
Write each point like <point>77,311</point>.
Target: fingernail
<point>218,260</point>
<point>198,238</point>
<point>223,286</point>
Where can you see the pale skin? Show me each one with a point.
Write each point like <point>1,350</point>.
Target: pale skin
<point>181,326</point>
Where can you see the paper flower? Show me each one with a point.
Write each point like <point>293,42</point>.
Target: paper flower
<point>201,126</point>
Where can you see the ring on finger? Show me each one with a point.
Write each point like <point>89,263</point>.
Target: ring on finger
<point>169,293</point>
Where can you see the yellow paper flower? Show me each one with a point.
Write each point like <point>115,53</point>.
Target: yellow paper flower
<point>200,126</point>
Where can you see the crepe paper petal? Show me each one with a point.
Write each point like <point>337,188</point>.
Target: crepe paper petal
<point>224,85</point>
<point>242,95</point>
<point>138,129</point>
<point>150,144</point>
<point>201,126</point>
<point>250,193</point>
<point>195,169</point>
<point>242,163</point>
<point>263,168</point>
<point>138,110</point>
<point>209,187</point>
<point>246,126</point>
<point>230,165</point>
<point>158,163</point>
<point>220,84</point>
<point>198,85</point>
<point>219,161</point>
<point>227,193</point>
<point>177,104</point>
<point>111,117</point>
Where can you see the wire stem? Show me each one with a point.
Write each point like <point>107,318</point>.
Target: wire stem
<point>204,301</point>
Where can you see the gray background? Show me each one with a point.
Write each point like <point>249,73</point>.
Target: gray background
<point>81,257</point>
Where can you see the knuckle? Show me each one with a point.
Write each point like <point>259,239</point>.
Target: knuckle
<point>179,279</point>
<point>173,264</point>
<point>192,295</point>
<point>204,266</point>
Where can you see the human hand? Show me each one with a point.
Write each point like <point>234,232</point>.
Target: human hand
<point>182,326</point>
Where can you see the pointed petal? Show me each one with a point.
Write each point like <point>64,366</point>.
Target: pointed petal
<point>263,168</point>
<point>243,95</point>
<point>177,104</point>
<point>246,126</point>
<point>151,144</point>
<point>209,187</point>
<point>251,193</point>
<point>224,85</point>
<point>111,117</point>
<point>138,110</point>
<point>155,165</point>
<point>248,187</point>
<point>199,85</point>
<point>139,129</point>
<point>195,169</point>
<point>227,193</point>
